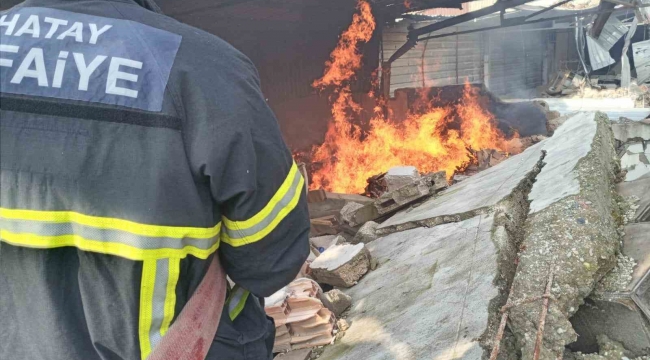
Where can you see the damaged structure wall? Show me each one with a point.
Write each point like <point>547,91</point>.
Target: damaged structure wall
<point>506,61</point>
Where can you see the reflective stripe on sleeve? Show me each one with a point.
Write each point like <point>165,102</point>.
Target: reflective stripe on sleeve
<point>53,229</point>
<point>239,233</point>
<point>236,301</point>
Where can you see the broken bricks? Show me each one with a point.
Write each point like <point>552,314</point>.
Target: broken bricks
<point>341,265</point>
<point>301,319</point>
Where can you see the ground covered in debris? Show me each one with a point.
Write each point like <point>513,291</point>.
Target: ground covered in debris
<point>520,258</point>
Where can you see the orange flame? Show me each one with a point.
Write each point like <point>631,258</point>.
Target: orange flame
<point>429,139</point>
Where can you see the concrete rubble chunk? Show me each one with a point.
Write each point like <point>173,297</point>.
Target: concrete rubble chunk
<point>348,211</point>
<point>570,231</point>
<point>367,213</point>
<point>437,180</point>
<point>626,131</point>
<point>400,176</point>
<point>366,234</point>
<point>336,301</point>
<point>405,195</point>
<point>341,265</point>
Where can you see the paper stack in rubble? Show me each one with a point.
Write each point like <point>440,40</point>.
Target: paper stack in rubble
<point>301,319</point>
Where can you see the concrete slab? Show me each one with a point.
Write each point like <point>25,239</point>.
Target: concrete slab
<point>487,188</point>
<point>570,231</point>
<point>431,296</point>
<point>472,196</point>
<point>570,143</point>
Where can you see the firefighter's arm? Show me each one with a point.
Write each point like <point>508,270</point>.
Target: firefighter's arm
<point>254,182</point>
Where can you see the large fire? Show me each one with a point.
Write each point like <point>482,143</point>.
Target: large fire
<point>431,138</point>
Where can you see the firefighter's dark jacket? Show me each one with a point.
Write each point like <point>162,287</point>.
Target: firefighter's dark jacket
<point>133,148</point>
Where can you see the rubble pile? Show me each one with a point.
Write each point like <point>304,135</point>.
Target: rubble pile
<point>517,255</point>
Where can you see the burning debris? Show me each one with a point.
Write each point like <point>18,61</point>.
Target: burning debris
<point>485,190</point>
<point>432,138</point>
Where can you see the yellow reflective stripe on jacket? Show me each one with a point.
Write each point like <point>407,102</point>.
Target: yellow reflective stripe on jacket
<point>110,223</point>
<point>236,301</point>
<point>239,233</point>
<point>157,301</point>
<point>105,235</point>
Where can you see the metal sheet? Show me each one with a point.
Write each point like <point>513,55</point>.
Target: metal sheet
<point>598,56</point>
<point>625,59</point>
<point>641,55</point>
<point>612,32</point>
<point>643,13</point>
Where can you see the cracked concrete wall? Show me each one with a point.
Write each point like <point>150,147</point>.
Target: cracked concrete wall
<point>570,230</point>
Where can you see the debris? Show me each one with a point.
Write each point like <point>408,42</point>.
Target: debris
<point>303,354</point>
<point>636,161</point>
<point>301,319</point>
<point>617,280</point>
<point>333,204</point>
<point>316,196</point>
<point>405,195</point>
<point>342,325</point>
<point>487,157</point>
<point>341,265</point>
<point>437,180</point>
<point>348,211</point>
<point>336,301</point>
<point>322,243</point>
<point>459,177</point>
<point>367,213</point>
<point>327,225</point>
<point>376,186</point>
<point>366,234</point>
<point>349,197</point>
<point>400,176</point>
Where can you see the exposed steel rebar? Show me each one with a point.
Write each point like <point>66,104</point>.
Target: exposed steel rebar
<point>499,336</point>
<point>542,317</point>
<point>507,307</point>
<point>502,326</point>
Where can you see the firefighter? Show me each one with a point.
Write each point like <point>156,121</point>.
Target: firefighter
<point>136,152</point>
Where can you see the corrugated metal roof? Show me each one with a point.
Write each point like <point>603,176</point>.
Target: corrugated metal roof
<point>598,56</point>
<point>612,32</point>
<point>467,7</point>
